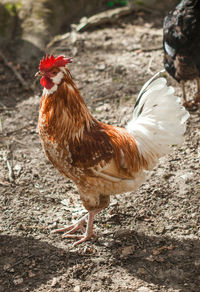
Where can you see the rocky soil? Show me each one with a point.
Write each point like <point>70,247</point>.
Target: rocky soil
<point>147,240</point>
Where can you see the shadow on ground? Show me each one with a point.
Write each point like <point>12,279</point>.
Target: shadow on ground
<point>160,260</point>
<point>28,262</point>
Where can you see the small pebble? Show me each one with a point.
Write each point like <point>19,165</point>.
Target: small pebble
<point>18,281</point>
<point>6,267</point>
<point>54,282</point>
<point>31,274</point>
<point>77,289</point>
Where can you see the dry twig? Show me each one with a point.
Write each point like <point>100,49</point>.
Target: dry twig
<point>149,65</point>
<point>8,157</point>
<point>15,131</point>
<point>100,99</point>
<point>57,39</point>
<point>140,50</point>
<point>150,272</point>
<point>17,74</point>
<point>108,16</point>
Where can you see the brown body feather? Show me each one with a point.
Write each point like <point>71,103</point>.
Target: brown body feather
<point>101,159</point>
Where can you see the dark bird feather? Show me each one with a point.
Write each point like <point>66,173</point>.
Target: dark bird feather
<point>181,44</point>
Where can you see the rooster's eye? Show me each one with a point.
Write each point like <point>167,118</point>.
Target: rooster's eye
<point>54,72</point>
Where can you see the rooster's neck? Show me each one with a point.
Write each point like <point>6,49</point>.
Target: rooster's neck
<point>64,113</point>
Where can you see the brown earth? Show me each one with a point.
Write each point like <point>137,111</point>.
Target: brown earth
<point>147,240</point>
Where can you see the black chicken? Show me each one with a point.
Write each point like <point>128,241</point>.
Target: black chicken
<point>181,43</point>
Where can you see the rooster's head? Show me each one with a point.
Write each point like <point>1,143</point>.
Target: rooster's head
<point>52,70</point>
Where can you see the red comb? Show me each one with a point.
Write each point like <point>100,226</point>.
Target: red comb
<point>48,62</point>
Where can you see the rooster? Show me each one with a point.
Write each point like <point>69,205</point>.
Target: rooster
<point>102,159</point>
<point>181,43</point>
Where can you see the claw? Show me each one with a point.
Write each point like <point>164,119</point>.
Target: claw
<point>71,231</point>
<point>82,238</point>
<point>72,228</point>
<point>79,225</point>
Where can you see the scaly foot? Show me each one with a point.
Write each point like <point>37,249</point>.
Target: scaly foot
<point>72,228</point>
<point>80,225</point>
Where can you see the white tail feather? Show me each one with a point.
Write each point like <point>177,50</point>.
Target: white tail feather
<point>158,120</point>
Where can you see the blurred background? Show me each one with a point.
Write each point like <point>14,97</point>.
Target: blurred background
<point>29,25</point>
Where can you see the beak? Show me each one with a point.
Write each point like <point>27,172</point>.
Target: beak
<point>38,74</point>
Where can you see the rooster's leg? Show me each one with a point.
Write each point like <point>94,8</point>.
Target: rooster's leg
<point>184,94</point>
<point>79,225</point>
<point>197,96</point>
<point>186,103</point>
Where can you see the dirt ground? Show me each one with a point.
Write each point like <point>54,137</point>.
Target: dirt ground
<point>147,240</point>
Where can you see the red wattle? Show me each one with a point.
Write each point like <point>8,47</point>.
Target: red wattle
<point>46,82</point>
